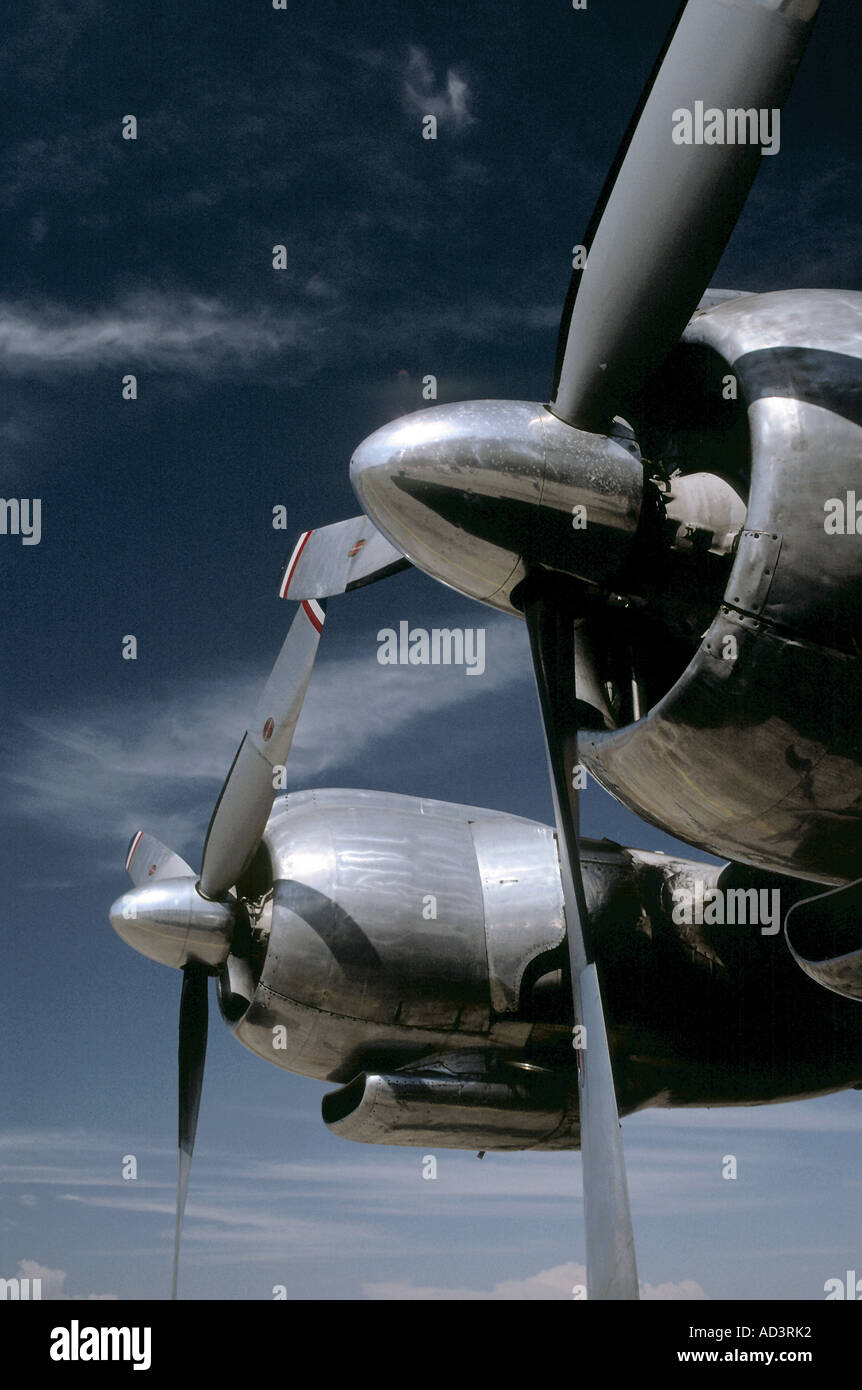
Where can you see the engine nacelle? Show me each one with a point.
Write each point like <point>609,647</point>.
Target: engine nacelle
<point>754,750</point>
<point>414,952</point>
<point>392,923</point>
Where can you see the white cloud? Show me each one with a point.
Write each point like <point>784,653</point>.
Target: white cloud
<point>181,333</point>
<point>123,766</point>
<point>549,1284</point>
<point>53,1282</point>
<point>204,336</point>
<point>449,103</point>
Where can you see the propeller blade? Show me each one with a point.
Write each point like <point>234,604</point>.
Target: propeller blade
<point>667,209</point>
<point>611,1264</point>
<point>245,800</point>
<point>147,859</point>
<point>334,559</point>
<point>191,1056</point>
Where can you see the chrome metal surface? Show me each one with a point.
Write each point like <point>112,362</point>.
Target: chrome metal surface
<point>757,756</point>
<point>169,921</point>
<point>522,901</point>
<point>473,493</point>
<point>824,935</point>
<point>454,1112</point>
<point>333,984</point>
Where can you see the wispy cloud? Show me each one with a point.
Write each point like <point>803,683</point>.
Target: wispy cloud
<point>449,102</point>
<point>123,765</point>
<point>202,336</point>
<point>173,332</point>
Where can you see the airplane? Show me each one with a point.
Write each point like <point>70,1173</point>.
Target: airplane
<point>669,526</point>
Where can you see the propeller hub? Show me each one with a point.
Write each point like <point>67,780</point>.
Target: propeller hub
<point>170,922</point>
<point>478,492</point>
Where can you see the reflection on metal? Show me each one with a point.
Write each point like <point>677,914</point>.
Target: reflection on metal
<point>451,1111</point>
<point>755,750</point>
<point>825,937</point>
<point>474,493</point>
<point>168,920</point>
<point>340,976</point>
<point>523,902</point>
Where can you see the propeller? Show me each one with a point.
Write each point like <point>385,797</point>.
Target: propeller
<point>660,227</point>
<point>336,558</point>
<point>191,1055</point>
<point>667,209</point>
<point>246,798</point>
<point>172,917</point>
<point>189,922</point>
<point>474,492</point>
<point>611,1264</point>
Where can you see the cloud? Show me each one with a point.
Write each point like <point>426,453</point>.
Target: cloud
<point>182,332</point>
<point>549,1284</point>
<point>124,764</point>
<point>450,104</point>
<point>53,1283</point>
<point>205,337</point>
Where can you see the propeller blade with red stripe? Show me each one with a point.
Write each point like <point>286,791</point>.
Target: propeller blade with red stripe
<point>335,559</point>
<point>245,800</point>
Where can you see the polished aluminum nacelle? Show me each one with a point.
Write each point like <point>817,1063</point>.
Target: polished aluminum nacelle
<point>413,952</point>
<point>755,750</point>
<point>477,492</point>
<point>749,744</point>
<point>394,926</point>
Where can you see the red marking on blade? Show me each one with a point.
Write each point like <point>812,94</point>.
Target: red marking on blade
<point>355,549</point>
<point>267,730</point>
<point>151,870</point>
<point>293,562</point>
<point>313,613</point>
<point>130,856</point>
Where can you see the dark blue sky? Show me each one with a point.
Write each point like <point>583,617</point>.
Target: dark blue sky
<point>405,257</point>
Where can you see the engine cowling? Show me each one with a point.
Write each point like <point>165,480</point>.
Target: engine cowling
<point>392,922</point>
<point>754,749</point>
